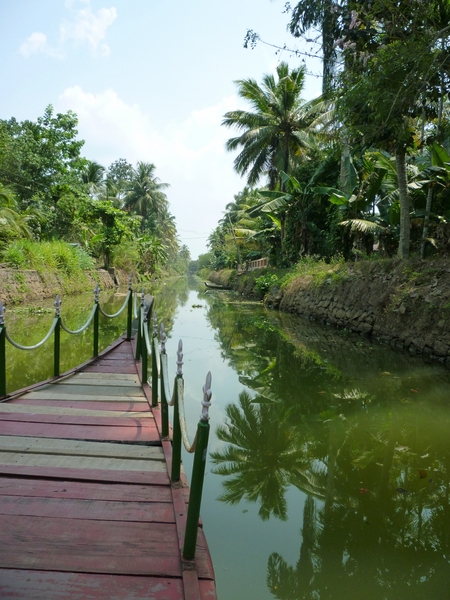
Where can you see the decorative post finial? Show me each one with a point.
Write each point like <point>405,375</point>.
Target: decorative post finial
<point>2,313</point>
<point>97,294</point>
<point>206,402</point>
<point>57,304</point>
<point>142,297</point>
<point>180,358</point>
<point>130,281</point>
<point>163,338</point>
<point>155,324</point>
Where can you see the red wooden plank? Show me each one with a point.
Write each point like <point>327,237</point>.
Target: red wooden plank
<point>76,369</point>
<point>207,589</point>
<point>89,546</point>
<point>142,433</point>
<point>97,510</point>
<point>80,420</point>
<point>203,559</point>
<point>190,585</point>
<point>128,356</point>
<point>140,477</point>
<point>117,406</point>
<point>15,486</point>
<point>52,585</point>
<point>110,369</point>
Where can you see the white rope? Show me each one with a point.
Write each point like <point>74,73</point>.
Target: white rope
<point>39,344</point>
<point>85,326</point>
<point>119,311</point>
<point>165,379</point>
<point>182,418</point>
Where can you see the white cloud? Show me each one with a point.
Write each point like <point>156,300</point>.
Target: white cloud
<point>189,154</point>
<point>89,27</point>
<point>37,42</point>
<point>85,27</point>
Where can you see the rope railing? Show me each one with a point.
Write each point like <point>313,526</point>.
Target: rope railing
<point>120,311</point>
<point>84,327</point>
<point>180,435</point>
<point>55,330</point>
<point>35,346</point>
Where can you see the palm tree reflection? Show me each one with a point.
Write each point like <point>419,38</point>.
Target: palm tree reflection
<point>376,521</point>
<point>262,455</point>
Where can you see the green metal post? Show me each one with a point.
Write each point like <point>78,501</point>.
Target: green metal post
<point>96,323</point>
<point>96,318</point>
<point>130,316</point>
<point>195,496</point>
<point>154,372</point>
<point>176,433</point>
<point>144,353</point>
<point>139,336</point>
<point>164,407</point>
<point>130,309</point>
<point>57,337</point>
<point>2,351</point>
<point>2,360</point>
<point>57,347</point>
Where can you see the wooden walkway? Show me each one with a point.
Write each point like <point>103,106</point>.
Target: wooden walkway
<point>86,506</point>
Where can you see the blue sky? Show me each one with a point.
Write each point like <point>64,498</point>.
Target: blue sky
<point>149,80</point>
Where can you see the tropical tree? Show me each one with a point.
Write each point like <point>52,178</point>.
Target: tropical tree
<point>118,179</point>
<point>93,176</point>
<point>145,196</point>
<point>13,223</point>
<point>37,157</point>
<point>276,133</point>
<point>393,66</point>
<point>325,16</point>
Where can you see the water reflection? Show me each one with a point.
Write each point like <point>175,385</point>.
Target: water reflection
<point>362,432</point>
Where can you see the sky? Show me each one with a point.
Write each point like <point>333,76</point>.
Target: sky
<point>149,80</point>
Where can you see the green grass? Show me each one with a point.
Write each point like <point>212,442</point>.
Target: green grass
<point>56,256</point>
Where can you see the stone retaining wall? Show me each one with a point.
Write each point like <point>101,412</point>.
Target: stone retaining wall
<point>402,303</point>
<point>23,286</point>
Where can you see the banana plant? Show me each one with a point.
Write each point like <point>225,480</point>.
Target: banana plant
<point>357,201</point>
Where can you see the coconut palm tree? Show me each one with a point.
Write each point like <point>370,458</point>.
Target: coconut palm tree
<point>145,194</point>
<point>277,131</point>
<point>93,176</point>
<point>13,222</point>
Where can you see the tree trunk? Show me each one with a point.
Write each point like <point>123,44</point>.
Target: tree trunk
<point>426,221</point>
<point>405,217</point>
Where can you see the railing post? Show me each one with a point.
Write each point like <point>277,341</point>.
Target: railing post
<point>164,405</point>
<point>144,353</point>
<point>176,429</point>
<point>139,349</point>
<point>130,308</point>
<point>2,351</point>
<point>155,361</point>
<point>96,319</point>
<point>198,475</point>
<point>57,337</point>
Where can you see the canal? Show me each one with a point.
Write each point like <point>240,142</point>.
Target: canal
<point>329,457</point>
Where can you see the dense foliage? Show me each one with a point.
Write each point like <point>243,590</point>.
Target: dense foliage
<point>50,193</point>
<point>363,169</point>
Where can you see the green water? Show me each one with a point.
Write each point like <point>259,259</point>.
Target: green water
<point>328,473</point>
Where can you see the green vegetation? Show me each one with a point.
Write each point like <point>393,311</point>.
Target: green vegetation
<point>362,171</point>
<point>62,212</point>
